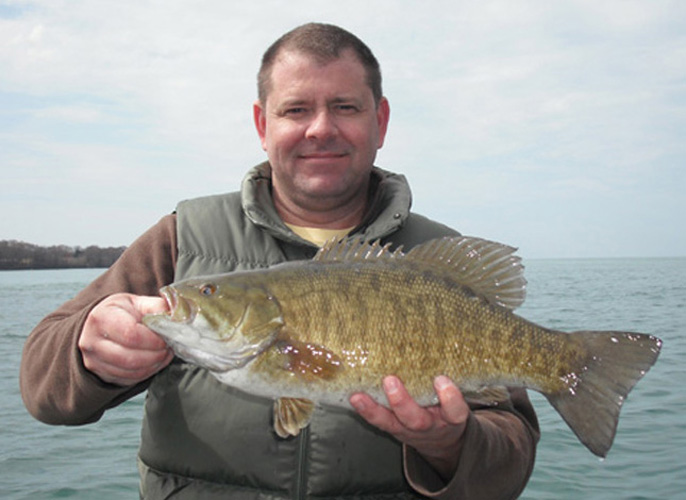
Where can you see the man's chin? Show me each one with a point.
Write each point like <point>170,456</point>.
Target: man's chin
<point>313,165</point>
<point>330,187</point>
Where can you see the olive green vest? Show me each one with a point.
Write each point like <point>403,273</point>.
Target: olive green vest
<point>204,440</point>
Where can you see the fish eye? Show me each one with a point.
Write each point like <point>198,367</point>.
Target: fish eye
<point>208,289</point>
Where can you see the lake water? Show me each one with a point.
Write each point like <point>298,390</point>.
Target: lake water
<point>647,461</point>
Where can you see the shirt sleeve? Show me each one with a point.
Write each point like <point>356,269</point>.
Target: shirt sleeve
<point>55,385</point>
<point>497,457</point>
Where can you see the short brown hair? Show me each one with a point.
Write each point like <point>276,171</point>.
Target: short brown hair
<point>325,42</point>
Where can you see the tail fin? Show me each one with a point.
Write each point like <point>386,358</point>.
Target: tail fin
<point>591,403</point>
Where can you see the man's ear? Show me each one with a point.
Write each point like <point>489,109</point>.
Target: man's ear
<point>260,119</point>
<point>383,115</point>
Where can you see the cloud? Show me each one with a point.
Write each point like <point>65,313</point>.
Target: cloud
<point>507,114</point>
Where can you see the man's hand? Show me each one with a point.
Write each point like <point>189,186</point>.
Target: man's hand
<point>117,347</point>
<point>435,432</point>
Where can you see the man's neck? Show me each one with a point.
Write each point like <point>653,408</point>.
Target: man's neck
<point>340,216</point>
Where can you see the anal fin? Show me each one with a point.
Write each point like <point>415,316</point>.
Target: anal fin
<point>489,396</point>
<point>291,415</point>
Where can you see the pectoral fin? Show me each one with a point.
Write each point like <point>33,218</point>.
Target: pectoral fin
<point>307,361</point>
<point>291,415</point>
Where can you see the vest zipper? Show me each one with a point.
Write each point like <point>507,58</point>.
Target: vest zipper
<point>300,492</point>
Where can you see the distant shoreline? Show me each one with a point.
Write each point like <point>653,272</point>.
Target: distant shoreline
<point>64,268</point>
<point>19,255</point>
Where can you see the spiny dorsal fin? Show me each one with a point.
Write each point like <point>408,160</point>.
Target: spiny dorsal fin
<point>355,249</point>
<point>489,268</point>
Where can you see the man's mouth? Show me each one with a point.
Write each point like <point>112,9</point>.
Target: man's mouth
<point>323,155</point>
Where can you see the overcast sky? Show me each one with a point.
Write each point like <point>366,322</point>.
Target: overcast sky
<point>557,127</point>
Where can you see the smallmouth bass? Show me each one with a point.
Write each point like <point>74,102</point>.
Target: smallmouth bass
<point>306,332</point>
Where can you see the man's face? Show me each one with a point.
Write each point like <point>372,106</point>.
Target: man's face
<point>320,128</point>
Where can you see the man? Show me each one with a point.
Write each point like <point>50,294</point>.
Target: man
<point>321,117</point>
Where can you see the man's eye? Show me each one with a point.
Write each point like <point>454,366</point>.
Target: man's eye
<point>295,111</point>
<point>346,109</point>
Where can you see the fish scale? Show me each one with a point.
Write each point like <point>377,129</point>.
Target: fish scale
<point>374,319</point>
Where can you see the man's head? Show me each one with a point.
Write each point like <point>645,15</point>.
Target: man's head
<point>321,124</point>
<point>325,43</point>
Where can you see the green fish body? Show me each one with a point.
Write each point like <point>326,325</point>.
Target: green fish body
<point>317,331</point>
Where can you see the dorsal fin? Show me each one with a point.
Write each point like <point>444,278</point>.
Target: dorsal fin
<point>355,249</point>
<point>489,268</point>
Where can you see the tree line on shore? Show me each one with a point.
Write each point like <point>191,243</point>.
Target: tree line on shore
<point>20,255</point>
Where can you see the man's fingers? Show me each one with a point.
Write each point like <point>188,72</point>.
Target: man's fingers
<point>405,414</point>
<point>119,365</point>
<point>120,322</point>
<point>406,410</point>
<point>131,360</point>
<point>138,336</point>
<point>369,409</point>
<point>116,346</point>
<point>454,409</point>
<point>149,305</point>
<point>376,414</point>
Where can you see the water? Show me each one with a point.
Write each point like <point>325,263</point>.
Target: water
<point>648,458</point>
<point>38,461</point>
<point>647,461</point>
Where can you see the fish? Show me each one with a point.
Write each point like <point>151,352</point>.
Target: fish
<point>313,332</point>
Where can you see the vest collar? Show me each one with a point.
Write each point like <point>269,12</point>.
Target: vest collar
<point>389,209</point>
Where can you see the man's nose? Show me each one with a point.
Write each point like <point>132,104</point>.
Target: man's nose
<point>322,126</point>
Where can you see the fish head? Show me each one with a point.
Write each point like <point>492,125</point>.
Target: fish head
<point>217,322</point>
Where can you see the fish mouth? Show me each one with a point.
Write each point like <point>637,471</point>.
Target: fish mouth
<point>181,310</point>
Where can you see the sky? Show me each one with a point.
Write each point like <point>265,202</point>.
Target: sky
<point>555,127</point>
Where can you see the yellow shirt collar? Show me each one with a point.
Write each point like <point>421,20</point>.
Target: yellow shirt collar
<point>317,235</point>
